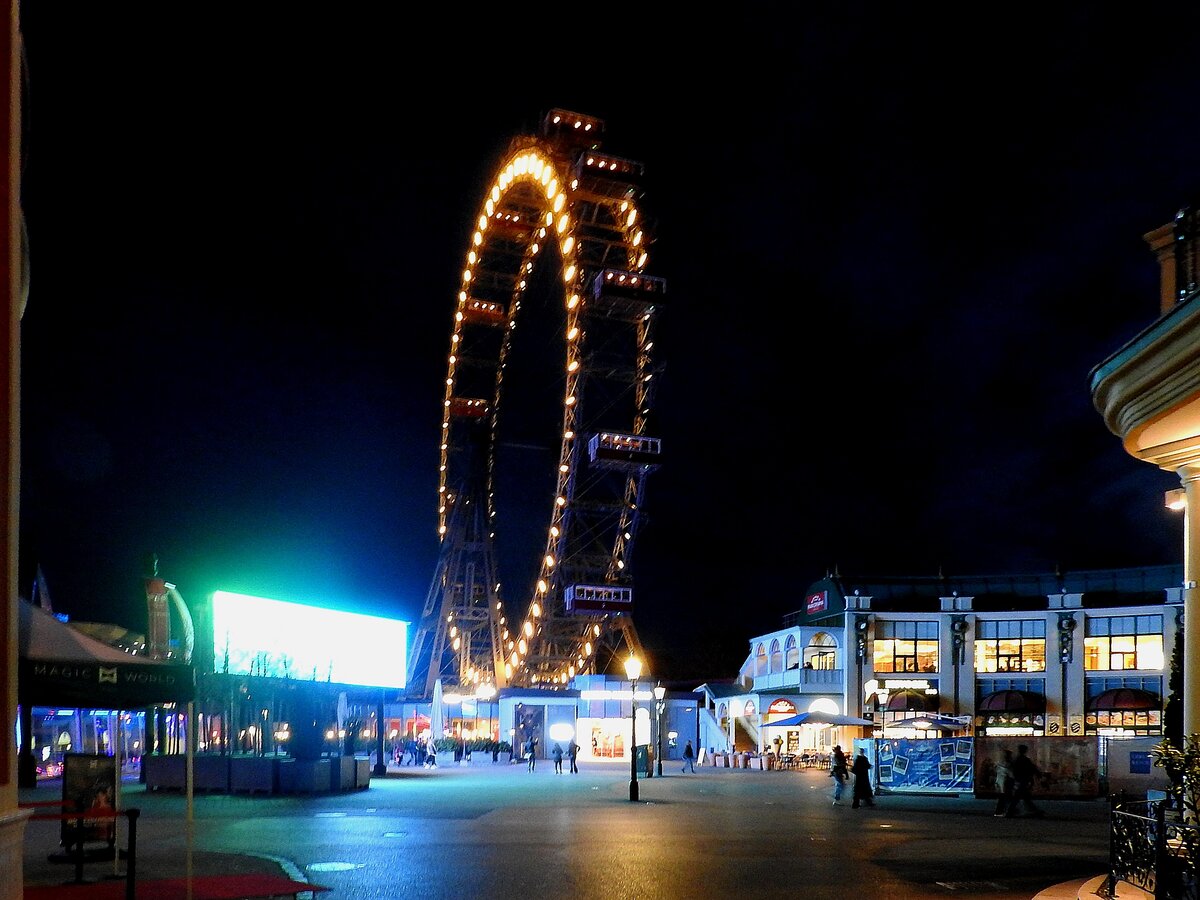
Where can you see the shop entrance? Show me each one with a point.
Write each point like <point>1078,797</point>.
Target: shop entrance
<point>530,722</point>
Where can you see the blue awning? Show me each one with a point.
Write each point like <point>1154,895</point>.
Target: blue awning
<point>817,718</point>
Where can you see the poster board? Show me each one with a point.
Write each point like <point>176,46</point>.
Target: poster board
<point>89,783</point>
<point>925,765</point>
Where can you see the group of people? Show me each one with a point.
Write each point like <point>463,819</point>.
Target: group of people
<point>416,751</point>
<point>556,754</point>
<point>840,771</point>
<point>1014,781</point>
<point>1015,777</point>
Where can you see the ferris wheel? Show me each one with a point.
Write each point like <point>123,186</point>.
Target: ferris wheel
<point>559,205</point>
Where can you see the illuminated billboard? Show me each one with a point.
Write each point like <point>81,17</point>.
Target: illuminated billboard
<point>309,643</point>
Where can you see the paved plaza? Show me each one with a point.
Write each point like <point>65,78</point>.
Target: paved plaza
<point>499,831</point>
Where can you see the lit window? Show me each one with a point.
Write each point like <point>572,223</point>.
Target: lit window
<point>1014,645</point>
<point>1117,643</point>
<point>906,647</point>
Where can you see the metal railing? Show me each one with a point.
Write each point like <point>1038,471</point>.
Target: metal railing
<point>1151,848</point>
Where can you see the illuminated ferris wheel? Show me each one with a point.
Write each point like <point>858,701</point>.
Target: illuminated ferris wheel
<point>556,201</point>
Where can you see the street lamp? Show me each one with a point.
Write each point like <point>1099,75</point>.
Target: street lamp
<point>660,694</point>
<point>633,668</point>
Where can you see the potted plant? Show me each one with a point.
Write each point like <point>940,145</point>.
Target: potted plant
<point>444,750</point>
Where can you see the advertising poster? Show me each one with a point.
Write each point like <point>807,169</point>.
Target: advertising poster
<point>1070,766</point>
<point>927,766</point>
<point>89,785</point>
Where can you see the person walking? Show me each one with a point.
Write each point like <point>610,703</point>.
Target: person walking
<point>839,771</point>
<point>689,758</point>
<point>1025,772</point>
<point>557,754</point>
<point>1004,783</point>
<point>530,749</point>
<point>572,753</point>
<point>862,781</point>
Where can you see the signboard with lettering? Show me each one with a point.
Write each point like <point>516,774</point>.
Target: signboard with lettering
<point>89,784</point>
<point>102,684</point>
<point>781,707</point>
<point>817,603</point>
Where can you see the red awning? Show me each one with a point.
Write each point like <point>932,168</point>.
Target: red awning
<point>909,699</point>
<point>1012,701</point>
<point>1124,698</point>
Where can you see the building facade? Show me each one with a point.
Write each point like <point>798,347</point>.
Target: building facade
<point>1078,654</point>
<point>1148,392</point>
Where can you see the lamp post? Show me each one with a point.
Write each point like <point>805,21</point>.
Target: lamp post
<point>633,668</point>
<point>660,694</point>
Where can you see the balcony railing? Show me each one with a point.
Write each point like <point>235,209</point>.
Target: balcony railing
<point>815,680</point>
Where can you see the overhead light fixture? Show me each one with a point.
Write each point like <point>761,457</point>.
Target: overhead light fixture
<point>1176,499</point>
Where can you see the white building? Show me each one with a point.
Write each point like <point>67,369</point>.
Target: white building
<point>1076,654</point>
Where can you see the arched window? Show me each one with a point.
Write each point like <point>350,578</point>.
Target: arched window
<point>722,711</point>
<point>791,653</point>
<point>760,660</point>
<point>821,652</point>
<point>776,664</point>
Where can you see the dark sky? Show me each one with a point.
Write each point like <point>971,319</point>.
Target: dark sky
<point>895,244</point>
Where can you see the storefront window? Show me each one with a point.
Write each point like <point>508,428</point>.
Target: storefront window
<point>1011,646</point>
<point>906,646</point>
<point>1114,643</point>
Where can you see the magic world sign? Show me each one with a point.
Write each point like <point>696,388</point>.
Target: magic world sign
<point>111,685</point>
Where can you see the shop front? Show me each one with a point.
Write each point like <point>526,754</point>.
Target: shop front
<point>1012,713</point>
<point>1123,712</point>
<point>898,703</point>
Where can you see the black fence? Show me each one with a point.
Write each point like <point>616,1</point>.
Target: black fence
<point>1152,848</point>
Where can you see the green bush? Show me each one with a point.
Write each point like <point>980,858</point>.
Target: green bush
<point>1183,771</point>
<point>475,745</point>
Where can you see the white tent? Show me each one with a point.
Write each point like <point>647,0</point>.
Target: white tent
<point>60,666</point>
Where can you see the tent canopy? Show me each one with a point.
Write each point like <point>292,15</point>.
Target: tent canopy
<point>818,718</point>
<point>59,666</point>
<point>929,722</point>
<point>910,699</point>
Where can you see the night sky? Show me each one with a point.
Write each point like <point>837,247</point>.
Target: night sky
<point>895,244</point>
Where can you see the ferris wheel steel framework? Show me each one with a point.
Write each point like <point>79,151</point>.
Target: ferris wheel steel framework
<point>554,194</point>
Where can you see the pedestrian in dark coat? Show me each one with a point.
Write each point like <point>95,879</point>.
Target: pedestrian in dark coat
<point>1025,772</point>
<point>572,752</point>
<point>862,781</point>
<point>557,754</point>
<point>531,752</point>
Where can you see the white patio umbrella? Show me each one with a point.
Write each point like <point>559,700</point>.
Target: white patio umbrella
<point>436,714</point>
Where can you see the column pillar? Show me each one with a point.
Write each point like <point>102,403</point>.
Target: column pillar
<point>14,278</point>
<point>1189,476</point>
